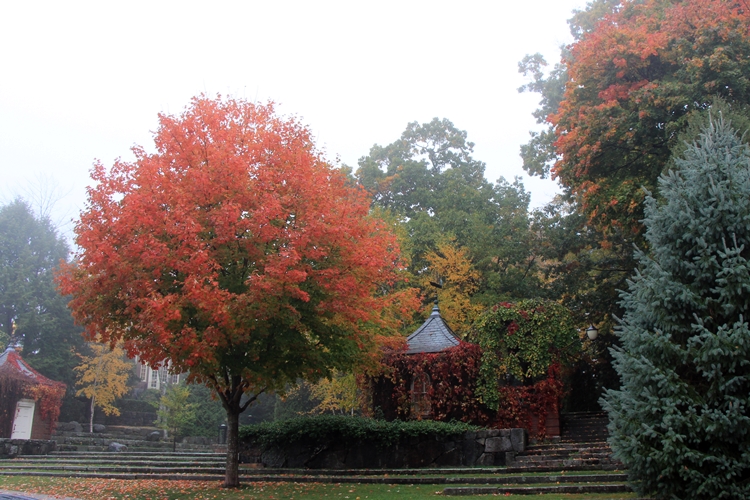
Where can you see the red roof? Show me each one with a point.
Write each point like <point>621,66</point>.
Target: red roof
<point>13,365</point>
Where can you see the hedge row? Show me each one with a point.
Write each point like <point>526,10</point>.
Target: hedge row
<point>347,429</point>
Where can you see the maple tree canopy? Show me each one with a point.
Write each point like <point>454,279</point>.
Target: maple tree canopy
<point>633,79</point>
<point>234,250</point>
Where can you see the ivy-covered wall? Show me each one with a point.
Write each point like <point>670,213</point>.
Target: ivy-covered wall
<point>507,374</point>
<point>47,397</point>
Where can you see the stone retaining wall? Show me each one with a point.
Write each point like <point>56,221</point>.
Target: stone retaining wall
<point>481,448</point>
<point>10,448</point>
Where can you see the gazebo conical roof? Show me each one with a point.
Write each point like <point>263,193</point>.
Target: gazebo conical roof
<point>433,336</point>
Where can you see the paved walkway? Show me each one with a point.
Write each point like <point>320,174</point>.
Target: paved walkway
<point>17,495</point>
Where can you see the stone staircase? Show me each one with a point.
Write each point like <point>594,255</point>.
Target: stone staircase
<point>119,465</point>
<point>136,439</point>
<point>564,467</point>
<point>210,467</point>
<point>566,457</point>
<point>582,427</point>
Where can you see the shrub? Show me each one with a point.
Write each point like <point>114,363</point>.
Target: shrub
<point>349,430</point>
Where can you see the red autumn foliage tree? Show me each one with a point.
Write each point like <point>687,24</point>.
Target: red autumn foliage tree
<point>235,252</point>
<point>636,72</point>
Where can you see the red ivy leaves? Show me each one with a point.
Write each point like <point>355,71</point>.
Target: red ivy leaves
<point>49,397</point>
<point>453,374</point>
<point>512,327</point>
<point>526,406</point>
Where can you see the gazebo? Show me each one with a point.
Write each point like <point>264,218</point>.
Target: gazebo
<point>433,336</point>
<point>437,376</point>
<point>29,401</point>
<point>433,377</point>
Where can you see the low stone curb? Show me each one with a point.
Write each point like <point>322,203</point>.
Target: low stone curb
<point>507,480</point>
<point>17,495</point>
<point>436,470</point>
<point>538,490</point>
<point>95,475</point>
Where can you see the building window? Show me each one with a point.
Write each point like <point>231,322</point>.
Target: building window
<point>144,372</point>
<point>154,380</point>
<point>420,396</point>
<point>163,375</point>
<point>175,379</point>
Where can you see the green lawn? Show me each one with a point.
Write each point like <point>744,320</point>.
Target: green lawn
<point>116,489</point>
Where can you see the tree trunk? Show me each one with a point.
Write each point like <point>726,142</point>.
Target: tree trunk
<point>91,416</point>
<point>232,479</point>
<point>231,399</point>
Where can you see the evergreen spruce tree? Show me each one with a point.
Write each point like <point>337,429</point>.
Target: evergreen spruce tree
<point>680,421</point>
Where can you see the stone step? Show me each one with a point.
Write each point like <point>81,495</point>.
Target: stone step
<point>134,444</point>
<point>566,451</point>
<point>304,476</point>
<point>571,415</point>
<point>89,443</point>
<point>139,454</point>
<point>142,469</point>
<point>54,462</point>
<point>547,458</point>
<point>153,448</point>
<point>539,490</point>
<point>98,457</point>
<point>566,456</point>
<point>563,445</point>
<point>122,464</point>
<point>583,426</point>
<point>128,435</point>
<point>110,429</point>
<point>564,463</point>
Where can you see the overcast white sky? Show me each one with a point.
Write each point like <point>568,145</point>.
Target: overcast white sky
<point>85,80</point>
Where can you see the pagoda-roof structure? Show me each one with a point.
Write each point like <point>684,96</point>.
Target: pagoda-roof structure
<point>433,336</point>
<point>13,365</point>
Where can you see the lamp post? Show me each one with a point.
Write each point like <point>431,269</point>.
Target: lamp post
<point>592,332</point>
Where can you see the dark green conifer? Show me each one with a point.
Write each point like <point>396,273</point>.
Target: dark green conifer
<point>680,421</point>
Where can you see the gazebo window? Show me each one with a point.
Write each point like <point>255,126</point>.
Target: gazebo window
<point>420,396</point>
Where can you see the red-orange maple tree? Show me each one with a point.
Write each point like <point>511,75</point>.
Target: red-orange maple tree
<point>235,252</point>
<point>633,78</point>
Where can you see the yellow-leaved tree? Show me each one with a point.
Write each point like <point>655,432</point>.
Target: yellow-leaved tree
<point>460,281</point>
<point>103,378</point>
<point>337,394</point>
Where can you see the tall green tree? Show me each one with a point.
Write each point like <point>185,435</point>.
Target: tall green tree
<point>431,182</point>
<point>208,412</point>
<point>175,413</point>
<point>613,109</point>
<point>680,422</point>
<point>30,252</point>
<point>635,72</point>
